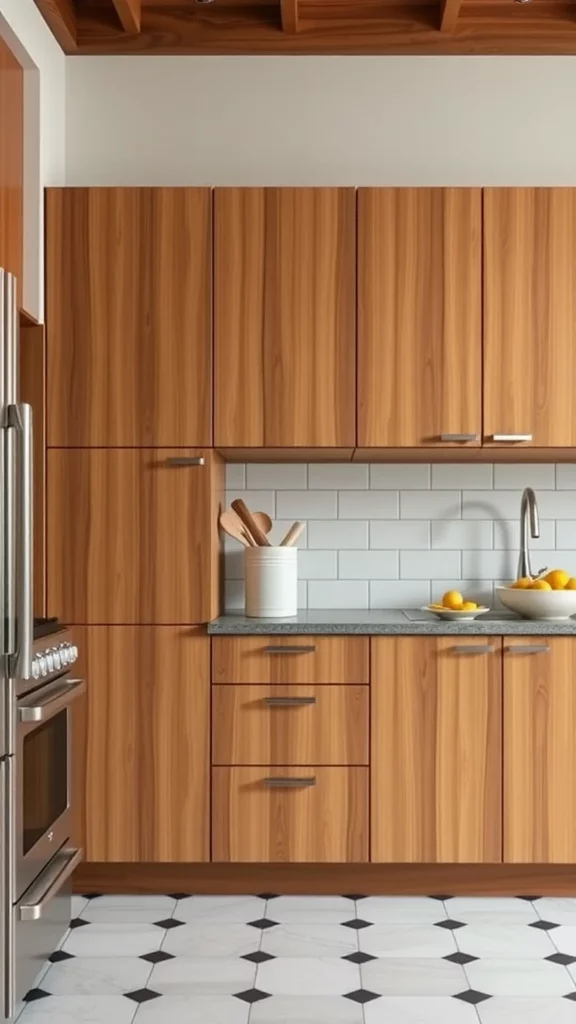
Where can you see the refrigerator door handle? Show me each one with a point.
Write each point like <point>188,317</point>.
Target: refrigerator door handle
<point>20,417</point>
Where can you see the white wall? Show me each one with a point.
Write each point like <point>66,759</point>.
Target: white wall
<point>25,31</point>
<point>321,120</point>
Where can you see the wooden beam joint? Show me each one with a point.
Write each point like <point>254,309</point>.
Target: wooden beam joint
<point>60,16</point>
<point>130,14</point>
<point>449,11</point>
<point>289,15</point>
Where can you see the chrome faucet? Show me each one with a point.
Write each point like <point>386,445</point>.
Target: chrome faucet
<point>528,506</point>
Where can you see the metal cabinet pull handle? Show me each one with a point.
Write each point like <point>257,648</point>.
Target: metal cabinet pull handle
<point>58,875</point>
<point>473,649</point>
<point>288,782</point>
<point>289,702</point>
<point>291,649</point>
<point>60,695</point>
<point>512,438</point>
<point>185,460</point>
<point>458,437</point>
<point>528,649</point>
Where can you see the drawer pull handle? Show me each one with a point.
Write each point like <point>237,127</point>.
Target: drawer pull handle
<point>473,649</point>
<point>289,702</point>
<point>288,782</point>
<point>185,460</point>
<point>291,649</point>
<point>458,437</point>
<point>528,649</point>
<point>512,438</point>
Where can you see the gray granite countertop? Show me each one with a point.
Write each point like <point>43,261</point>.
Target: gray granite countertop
<point>410,622</point>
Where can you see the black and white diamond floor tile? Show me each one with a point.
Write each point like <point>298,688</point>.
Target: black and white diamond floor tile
<point>405,960</point>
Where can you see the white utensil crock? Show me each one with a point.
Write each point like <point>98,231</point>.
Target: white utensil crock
<point>271,582</point>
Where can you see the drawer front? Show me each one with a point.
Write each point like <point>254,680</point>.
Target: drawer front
<point>295,725</point>
<point>292,815</point>
<point>290,659</point>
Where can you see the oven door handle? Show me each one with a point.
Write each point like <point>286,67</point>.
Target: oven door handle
<point>57,874</point>
<point>60,694</point>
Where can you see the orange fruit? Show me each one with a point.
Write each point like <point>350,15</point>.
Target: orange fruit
<point>557,578</point>
<point>540,585</point>
<point>469,606</point>
<point>453,599</point>
<point>522,584</point>
<point>571,585</point>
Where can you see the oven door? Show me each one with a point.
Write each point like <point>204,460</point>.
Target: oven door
<point>43,783</point>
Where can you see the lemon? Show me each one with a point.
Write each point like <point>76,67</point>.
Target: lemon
<point>557,579</point>
<point>523,583</point>
<point>469,606</point>
<point>453,599</point>
<point>540,585</point>
<point>571,585</point>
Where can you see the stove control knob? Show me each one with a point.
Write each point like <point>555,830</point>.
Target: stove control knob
<point>49,661</point>
<point>56,657</point>
<point>43,669</point>
<point>36,668</point>
<point>64,653</point>
<point>73,653</point>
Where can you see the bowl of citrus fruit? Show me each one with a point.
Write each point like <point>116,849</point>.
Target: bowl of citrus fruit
<point>550,596</point>
<point>455,606</point>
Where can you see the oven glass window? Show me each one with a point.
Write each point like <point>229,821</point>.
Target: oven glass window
<point>44,777</point>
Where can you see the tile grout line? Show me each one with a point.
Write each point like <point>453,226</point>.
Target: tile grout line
<point>549,934</point>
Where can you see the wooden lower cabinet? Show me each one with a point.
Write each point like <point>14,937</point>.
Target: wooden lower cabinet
<point>436,779</point>
<point>539,750</point>
<point>290,659</point>
<point>324,820</point>
<point>146,759</point>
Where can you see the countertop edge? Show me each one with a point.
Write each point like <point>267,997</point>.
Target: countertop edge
<point>238,625</point>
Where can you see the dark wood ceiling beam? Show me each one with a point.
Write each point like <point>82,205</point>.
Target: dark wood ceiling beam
<point>60,16</point>
<point>289,15</point>
<point>449,11</point>
<point>130,14</point>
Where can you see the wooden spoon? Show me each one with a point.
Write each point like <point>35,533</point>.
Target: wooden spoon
<point>295,531</point>
<point>232,525</point>
<point>262,519</point>
<point>246,516</point>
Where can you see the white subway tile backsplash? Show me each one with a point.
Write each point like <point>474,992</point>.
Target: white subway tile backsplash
<point>399,533</point>
<point>398,477</point>
<point>338,594</point>
<point>418,565</point>
<point>289,476</point>
<point>446,475</point>
<point>431,505</point>
<point>307,504</point>
<point>368,504</point>
<point>337,533</point>
<point>458,528</point>
<point>368,565</point>
<point>338,476</point>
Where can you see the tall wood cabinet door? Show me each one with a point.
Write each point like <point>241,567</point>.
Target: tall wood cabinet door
<point>419,316</point>
<point>132,535</point>
<point>11,164</point>
<point>436,749</point>
<point>530,315</point>
<point>128,306</point>
<point>284,316</point>
<point>147,746</point>
<point>539,750</point>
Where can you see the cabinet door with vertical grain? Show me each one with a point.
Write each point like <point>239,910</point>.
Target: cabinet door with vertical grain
<point>284,316</point>
<point>436,749</point>
<point>530,315</point>
<point>539,750</point>
<point>132,535</point>
<point>128,305</point>
<point>11,164</point>
<point>147,743</point>
<point>419,316</point>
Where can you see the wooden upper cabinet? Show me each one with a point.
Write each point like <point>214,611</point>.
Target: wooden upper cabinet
<point>284,316</point>
<point>11,164</point>
<point>436,762</point>
<point>539,750</point>
<point>419,316</point>
<point>530,314</point>
<point>145,763</point>
<point>128,274</point>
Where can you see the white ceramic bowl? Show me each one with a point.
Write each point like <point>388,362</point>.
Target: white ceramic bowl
<point>539,604</point>
<point>452,614</point>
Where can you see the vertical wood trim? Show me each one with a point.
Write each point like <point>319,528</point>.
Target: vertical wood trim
<point>130,14</point>
<point>290,15</point>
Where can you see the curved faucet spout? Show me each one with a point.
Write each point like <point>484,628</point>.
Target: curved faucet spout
<point>528,510</point>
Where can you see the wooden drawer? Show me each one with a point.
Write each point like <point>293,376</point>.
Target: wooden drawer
<point>290,659</point>
<point>257,820</point>
<point>294,725</point>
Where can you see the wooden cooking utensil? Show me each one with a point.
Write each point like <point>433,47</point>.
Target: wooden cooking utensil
<point>233,526</point>
<point>248,520</point>
<point>262,519</point>
<point>295,531</point>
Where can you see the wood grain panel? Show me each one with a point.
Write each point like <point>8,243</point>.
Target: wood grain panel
<point>246,730</point>
<point>539,752</point>
<point>33,391</point>
<point>323,823</point>
<point>147,750</point>
<point>131,539</point>
<point>128,273</point>
<point>436,750</point>
<point>309,659</point>
<point>11,165</point>
<point>284,316</point>
<point>419,315</point>
<point>530,313</point>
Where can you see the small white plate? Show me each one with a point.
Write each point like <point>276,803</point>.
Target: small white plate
<point>450,613</point>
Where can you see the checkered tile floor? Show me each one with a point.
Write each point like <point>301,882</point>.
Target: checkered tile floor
<point>182,959</point>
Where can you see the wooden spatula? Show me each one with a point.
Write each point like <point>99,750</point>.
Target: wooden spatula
<point>248,521</point>
<point>295,531</point>
<point>232,525</point>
